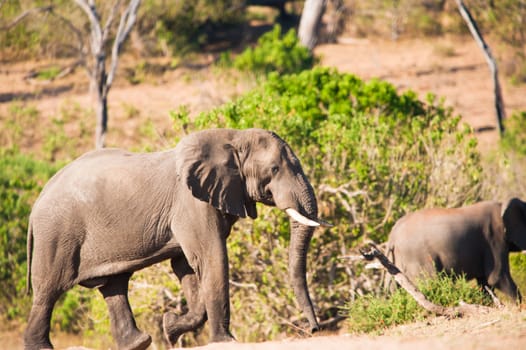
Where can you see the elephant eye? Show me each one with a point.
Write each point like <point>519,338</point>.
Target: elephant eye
<point>275,169</point>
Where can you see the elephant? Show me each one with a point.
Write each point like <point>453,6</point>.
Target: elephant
<point>112,212</point>
<point>473,240</point>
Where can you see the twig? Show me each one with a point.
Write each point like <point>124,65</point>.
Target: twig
<point>243,285</point>
<point>496,300</point>
<point>25,14</point>
<point>487,324</point>
<point>332,322</point>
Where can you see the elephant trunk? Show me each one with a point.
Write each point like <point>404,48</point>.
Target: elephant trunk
<point>299,243</point>
<point>300,237</point>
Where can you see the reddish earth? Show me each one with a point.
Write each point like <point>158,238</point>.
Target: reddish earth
<point>452,68</point>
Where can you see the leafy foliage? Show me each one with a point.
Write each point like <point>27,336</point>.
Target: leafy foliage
<point>514,138</point>
<point>372,314</point>
<point>275,52</point>
<point>518,270</point>
<point>21,179</point>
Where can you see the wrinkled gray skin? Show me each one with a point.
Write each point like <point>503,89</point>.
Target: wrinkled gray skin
<point>111,212</point>
<point>474,240</point>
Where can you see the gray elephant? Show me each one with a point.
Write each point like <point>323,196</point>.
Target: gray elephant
<point>110,213</point>
<point>474,240</point>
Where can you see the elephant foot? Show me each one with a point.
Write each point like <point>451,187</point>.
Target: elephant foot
<point>140,341</point>
<point>223,338</point>
<point>171,330</point>
<point>39,346</point>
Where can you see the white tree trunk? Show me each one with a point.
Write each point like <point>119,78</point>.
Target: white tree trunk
<point>310,21</point>
<point>100,80</point>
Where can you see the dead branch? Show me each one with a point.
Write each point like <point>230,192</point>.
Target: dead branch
<point>243,285</point>
<point>125,25</point>
<point>340,192</point>
<point>475,32</point>
<point>496,300</point>
<point>463,309</point>
<point>24,14</point>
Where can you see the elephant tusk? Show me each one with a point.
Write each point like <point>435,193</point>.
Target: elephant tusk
<point>300,218</point>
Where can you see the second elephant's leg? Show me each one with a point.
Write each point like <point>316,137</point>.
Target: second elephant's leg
<point>173,325</point>
<point>123,327</point>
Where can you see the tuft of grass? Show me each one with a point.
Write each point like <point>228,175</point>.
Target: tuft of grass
<point>372,314</point>
<point>49,73</point>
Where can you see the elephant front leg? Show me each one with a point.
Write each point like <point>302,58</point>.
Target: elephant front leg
<point>174,326</point>
<point>215,289</point>
<point>123,327</point>
<point>208,259</point>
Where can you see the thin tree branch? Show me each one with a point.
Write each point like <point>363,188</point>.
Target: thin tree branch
<point>96,32</point>
<point>125,25</point>
<point>80,48</point>
<point>109,21</point>
<point>473,28</point>
<point>24,14</point>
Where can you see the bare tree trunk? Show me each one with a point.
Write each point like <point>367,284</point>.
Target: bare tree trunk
<point>473,28</point>
<point>100,80</point>
<point>310,21</point>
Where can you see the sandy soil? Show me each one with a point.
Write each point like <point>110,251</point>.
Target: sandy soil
<point>452,68</point>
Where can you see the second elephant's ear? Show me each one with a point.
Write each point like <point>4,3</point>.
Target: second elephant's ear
<point>211,170</point>
<point>514,218</point>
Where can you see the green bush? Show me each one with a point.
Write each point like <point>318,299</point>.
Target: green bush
<point>514,138</point>
<point>370,313</point>
<point>274,52</point>
<point>21,179</point>
<point>518,271</point>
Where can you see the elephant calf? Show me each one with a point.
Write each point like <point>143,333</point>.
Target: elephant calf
<point>474,240</point>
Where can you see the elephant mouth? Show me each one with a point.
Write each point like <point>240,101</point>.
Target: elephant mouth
<point>294,214</point>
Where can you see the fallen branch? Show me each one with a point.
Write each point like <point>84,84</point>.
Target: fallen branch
<point>463,309</point>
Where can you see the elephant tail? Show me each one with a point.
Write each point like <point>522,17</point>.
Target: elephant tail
<point>29,256</point>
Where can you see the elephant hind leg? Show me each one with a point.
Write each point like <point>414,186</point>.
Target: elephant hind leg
<point>36,335</point>
<point>123,327</point>
<point>174,326</point>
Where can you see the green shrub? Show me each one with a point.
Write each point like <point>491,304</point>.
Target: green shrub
<point>514,138</point>
<point>518,270</point>
<point>21,178</point>
<point>370,313</point>
<point>274,52</point>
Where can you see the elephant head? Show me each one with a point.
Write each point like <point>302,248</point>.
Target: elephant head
<point>234,169</point>
<point>514,218</point>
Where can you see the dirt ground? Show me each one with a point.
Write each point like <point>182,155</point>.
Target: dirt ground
<point>497,330</point>
<point>449,67</point>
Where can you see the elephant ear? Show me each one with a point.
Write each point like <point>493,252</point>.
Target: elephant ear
<point>212,172</point>
<point>514,218</point>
